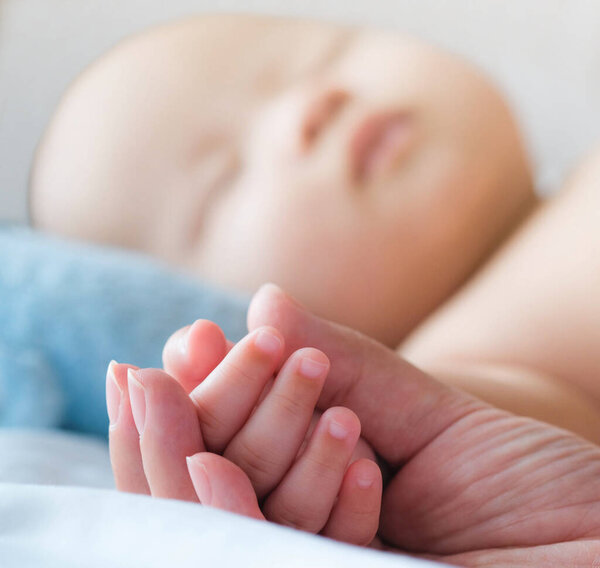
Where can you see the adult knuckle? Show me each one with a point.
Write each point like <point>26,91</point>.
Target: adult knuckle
<point>211,424</point>
<point>257,463</point>
<point>298,516</point>
<point>290,405</point>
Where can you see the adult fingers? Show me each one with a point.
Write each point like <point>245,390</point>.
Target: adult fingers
<point>168,427</point>
<point>305,497</point>
<point>123,438</point>
<point>355,515</point>
<point>267,444</point>
<point>222,484</point>
<point>227,397</point>
<point>401,409</point>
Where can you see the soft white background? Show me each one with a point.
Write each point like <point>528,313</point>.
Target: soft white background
<point>545,55</point>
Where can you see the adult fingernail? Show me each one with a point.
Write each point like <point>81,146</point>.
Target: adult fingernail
<point>267,342</point>
<point>184,339</point>
<point>137,399</point>
<point>199,476</point>
<point>278,290</point>
<point>113,394</point>
<point>337,430</point>
<point>312,369</point>
<point>365,482</point>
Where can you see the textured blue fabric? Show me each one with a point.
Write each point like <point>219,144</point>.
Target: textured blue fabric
<point>67,309</point>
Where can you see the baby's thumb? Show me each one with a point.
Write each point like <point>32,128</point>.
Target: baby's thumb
<point>192,353</point>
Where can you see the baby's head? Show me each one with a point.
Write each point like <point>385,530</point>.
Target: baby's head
<point>366,173</point>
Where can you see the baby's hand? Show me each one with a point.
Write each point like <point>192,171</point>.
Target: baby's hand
<point>261,430</point>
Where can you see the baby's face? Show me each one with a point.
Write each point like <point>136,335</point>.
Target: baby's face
<point>366,174</point>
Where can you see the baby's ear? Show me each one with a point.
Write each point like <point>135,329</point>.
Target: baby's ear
<point>192,353</point>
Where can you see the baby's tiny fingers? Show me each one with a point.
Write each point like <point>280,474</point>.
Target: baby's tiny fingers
<point>166,420</point>
<point>355,516</point>
<point>305,497</point>
<point>222,484</point>
<point>266,446</point>
<point>123,438</point>
<point>192,352</point>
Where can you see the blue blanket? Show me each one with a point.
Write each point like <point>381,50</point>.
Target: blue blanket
<point>67,309</point>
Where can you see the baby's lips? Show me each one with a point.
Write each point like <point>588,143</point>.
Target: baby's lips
<point>379,142</point>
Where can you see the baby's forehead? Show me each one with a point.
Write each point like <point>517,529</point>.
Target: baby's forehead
<point>262,55</point>
<point>242,61</point>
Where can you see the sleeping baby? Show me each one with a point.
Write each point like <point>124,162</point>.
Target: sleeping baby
<point>368,174</point>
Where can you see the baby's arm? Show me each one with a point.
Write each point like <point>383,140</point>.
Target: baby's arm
<point>259,431</point>
<point>524,335</point>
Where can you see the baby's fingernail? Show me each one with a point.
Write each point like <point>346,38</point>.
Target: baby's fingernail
<point>312,369</point>
<point>137,399</point>
<point>337,430</point>
<point>113,394</point>
<point>199,477</point>
<point>267,342</point>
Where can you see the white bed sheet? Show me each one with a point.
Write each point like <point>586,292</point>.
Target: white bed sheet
<point>76,521</point>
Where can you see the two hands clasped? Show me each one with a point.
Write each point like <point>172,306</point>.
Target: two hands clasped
<point>270,428</point>
<point>246,436</point>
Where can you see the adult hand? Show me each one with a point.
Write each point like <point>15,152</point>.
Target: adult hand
<point>265,442</point>
<point>471,484</point>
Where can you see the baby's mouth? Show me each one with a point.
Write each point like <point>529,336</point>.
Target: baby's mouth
<point>378,143</point>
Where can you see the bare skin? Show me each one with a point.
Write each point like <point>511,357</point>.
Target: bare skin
<point>330,205</point>
<point>349,155</point>
<point>471,485</point>
<point>282,149</point>
<point>474,479</point>
<point>525,332</point>
<point>477,486</point>
<point>308,474</point>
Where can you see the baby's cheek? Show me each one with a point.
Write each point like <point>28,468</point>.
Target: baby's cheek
<point>251,239</point>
